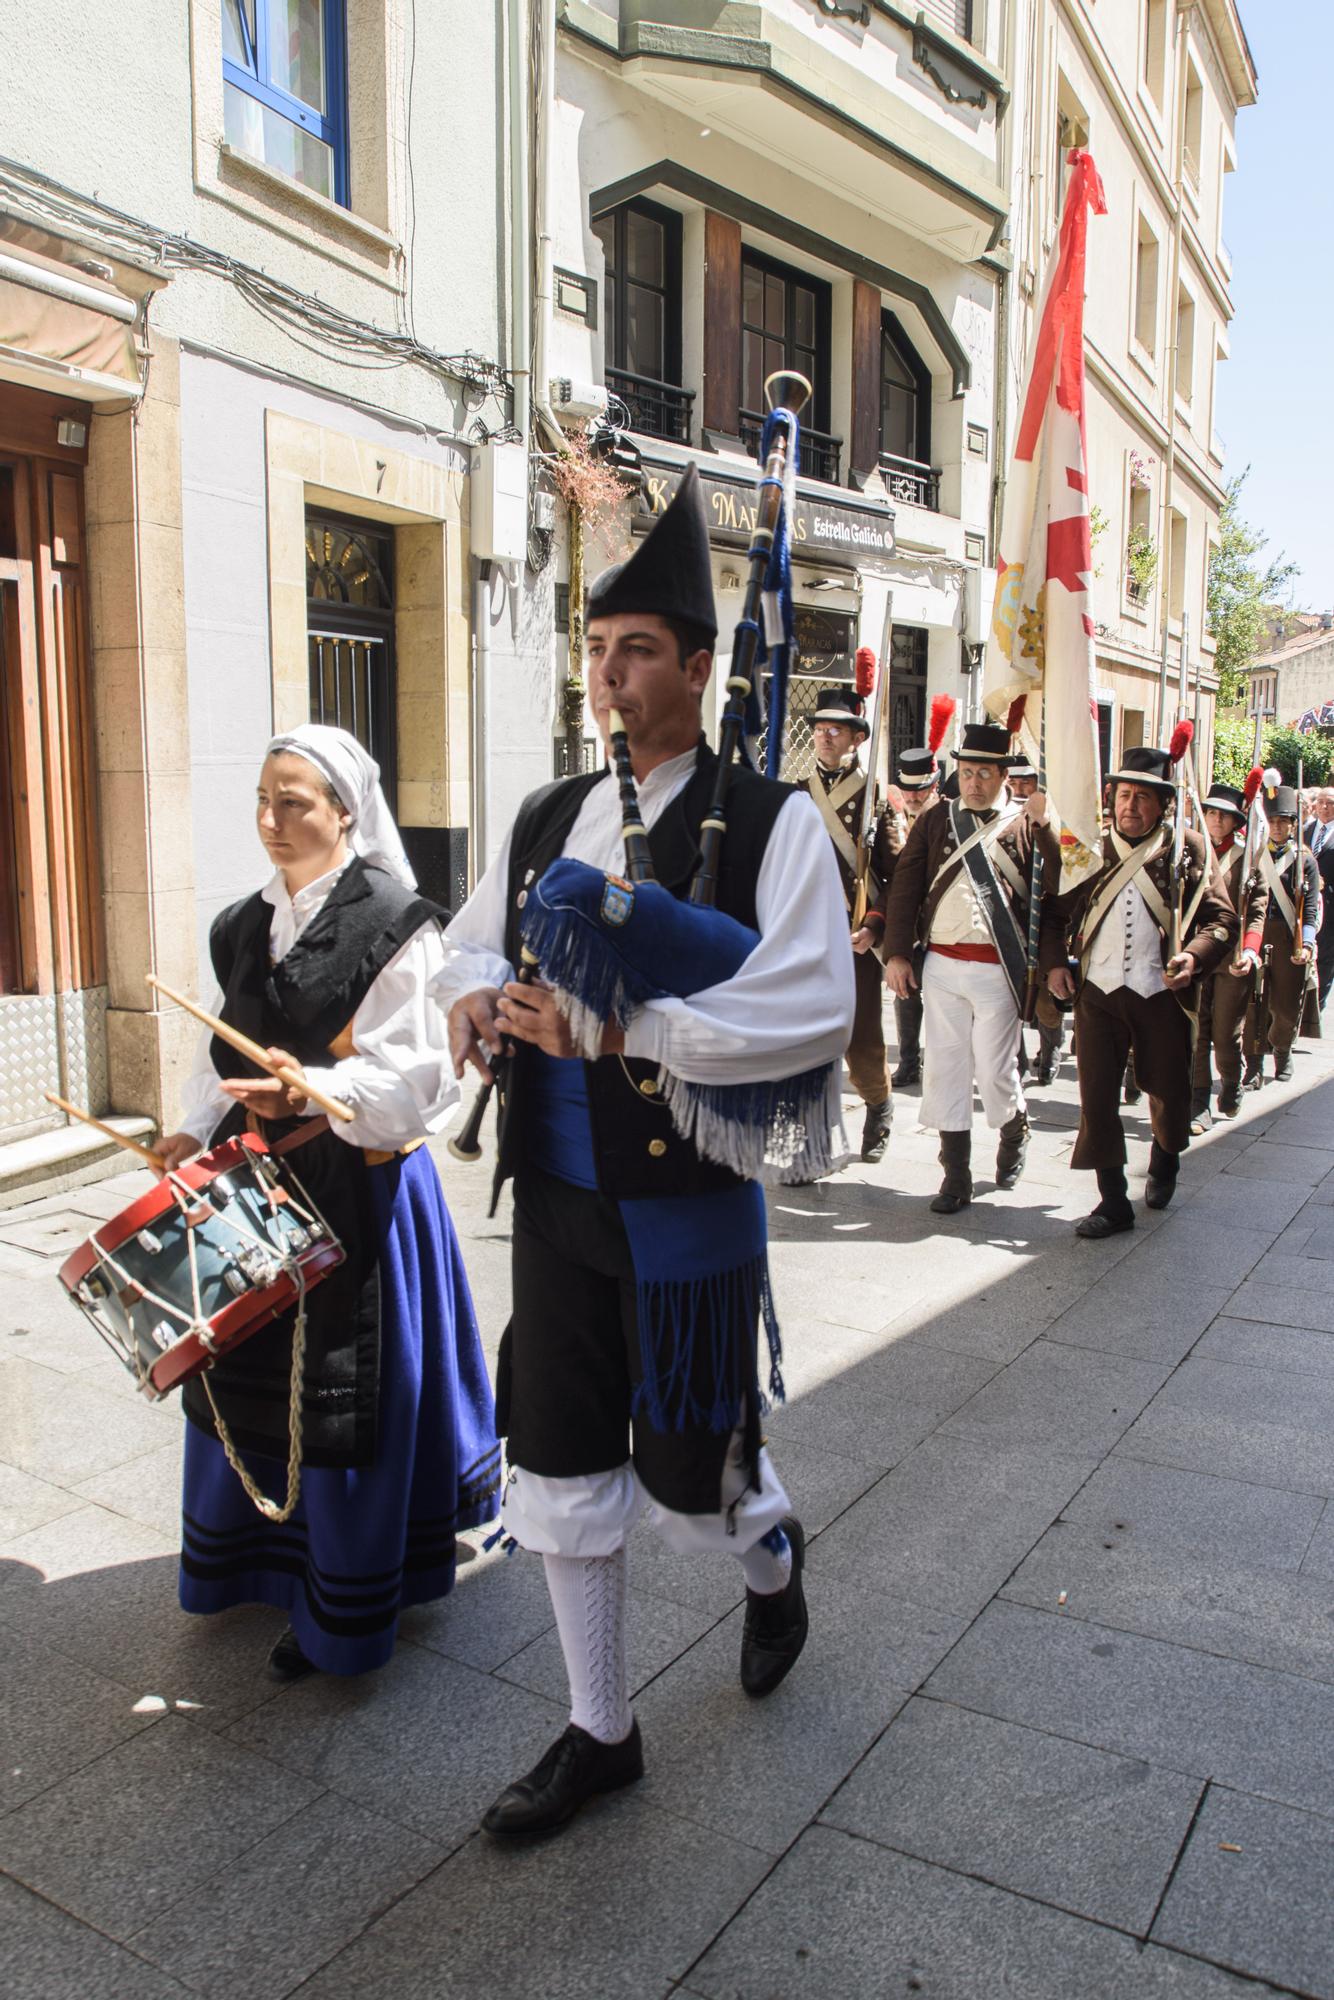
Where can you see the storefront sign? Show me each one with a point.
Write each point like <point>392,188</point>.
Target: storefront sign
<point>821,529</point>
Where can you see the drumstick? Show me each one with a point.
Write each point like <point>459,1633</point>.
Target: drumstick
<point>332,1107</point>
<point>109,1131</point>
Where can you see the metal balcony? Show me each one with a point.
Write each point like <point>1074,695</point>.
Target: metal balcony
<point>818,452</point>
<point>656,409</point>
<point>910,481</point>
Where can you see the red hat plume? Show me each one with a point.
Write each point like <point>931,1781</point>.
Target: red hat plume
<point>1254,779</point>
<point>864,672</point>
<point>942,714</point>
<point>1014,719</point>
<point>1182,737</point>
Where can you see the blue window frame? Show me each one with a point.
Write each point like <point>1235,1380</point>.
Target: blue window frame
<point>284,86</point>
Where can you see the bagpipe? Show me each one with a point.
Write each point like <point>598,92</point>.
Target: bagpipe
<point>607,944</point>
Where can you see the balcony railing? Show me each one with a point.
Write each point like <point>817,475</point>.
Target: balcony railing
<point>657,409</point>
<point>910,481</point>
<point>818,453</point>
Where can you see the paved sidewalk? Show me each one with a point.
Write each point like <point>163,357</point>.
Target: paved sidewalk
<point>1064,1728</point>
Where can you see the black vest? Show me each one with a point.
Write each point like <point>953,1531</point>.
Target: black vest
<point>635,1145</point>
<point>302,1005</point>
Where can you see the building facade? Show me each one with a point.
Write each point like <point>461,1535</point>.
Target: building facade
<point>1153,90</point>
<point>1292,684</point>
<point>737,188</point>
<point>254,363</point>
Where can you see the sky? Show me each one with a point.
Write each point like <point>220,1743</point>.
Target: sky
<point>1276,391</point>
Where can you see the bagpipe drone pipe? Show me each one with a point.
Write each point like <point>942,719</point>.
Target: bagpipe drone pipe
<point>606,946</point>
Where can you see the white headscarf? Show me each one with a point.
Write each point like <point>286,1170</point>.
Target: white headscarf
<point>355,777</point>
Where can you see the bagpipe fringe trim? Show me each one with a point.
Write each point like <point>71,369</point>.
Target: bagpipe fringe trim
<point>790,1130</point>
<point>674,1315</point>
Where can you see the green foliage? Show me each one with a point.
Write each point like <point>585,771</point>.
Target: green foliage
<point>1142,559</point>
<point>1239,591</point>
<point>1234,740</point>
<point>1284,746</point>
<point>1099,523</point>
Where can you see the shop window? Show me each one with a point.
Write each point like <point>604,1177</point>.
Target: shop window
<point>350,622</point>
<point>284,69</point>
<point>826,643</point>
<point>785,324</point>
<point>906,720</point>
<point>641,245</point>
<point>905,419</point>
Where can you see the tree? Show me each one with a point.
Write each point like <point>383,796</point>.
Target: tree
<point>1239,591</point>
<point>1283,747</point>
<point>1234,741</point>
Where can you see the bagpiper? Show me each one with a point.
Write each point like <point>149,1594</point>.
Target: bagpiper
<point>628,1378</point>
<point>838,787</point>
<point>1275,1020</point>
<point>1225,993</point>
<point>1022,782</point>
<point>1107,945</point>
<point>956,925</point>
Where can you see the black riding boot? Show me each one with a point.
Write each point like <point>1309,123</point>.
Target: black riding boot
<point>1049,1054</point>
<point>875,1131</point>
<point>1012,1151</point>
<point>1114,1212</point>
<point>908,1028</point>
<point>1161,1184</point>
<point>956,1190</point>
<point>1200,1116</point>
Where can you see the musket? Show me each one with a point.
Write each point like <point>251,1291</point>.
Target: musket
<point>1299,881</point>
<point>1177,748</point>
<point>866,829</point>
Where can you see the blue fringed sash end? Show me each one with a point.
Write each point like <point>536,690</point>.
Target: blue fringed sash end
<point>674,1317</point>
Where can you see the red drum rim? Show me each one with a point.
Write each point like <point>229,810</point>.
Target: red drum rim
<point>141,1213</point>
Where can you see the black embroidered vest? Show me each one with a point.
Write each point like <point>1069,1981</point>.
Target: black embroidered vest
<point>636,1147</point>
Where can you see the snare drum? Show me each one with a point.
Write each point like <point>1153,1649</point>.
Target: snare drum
<point>213,1253</point>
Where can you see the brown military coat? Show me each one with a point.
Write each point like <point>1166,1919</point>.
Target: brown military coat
<point>885,837</point>
<point>920,879</point>
<point>1250,899</point>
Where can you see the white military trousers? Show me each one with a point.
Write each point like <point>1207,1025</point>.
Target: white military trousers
<point>970,1025</point>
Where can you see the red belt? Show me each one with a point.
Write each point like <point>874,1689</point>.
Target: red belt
<point>975,954</point>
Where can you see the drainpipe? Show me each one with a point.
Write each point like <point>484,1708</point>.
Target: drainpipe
<point>1184,11</point>
<point>521,307</point>
<point>481,702</point>
<point>544,104</point>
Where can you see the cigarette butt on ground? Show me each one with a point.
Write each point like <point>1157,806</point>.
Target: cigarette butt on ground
<point>1061,1599</point>
<point>1228,1847</point>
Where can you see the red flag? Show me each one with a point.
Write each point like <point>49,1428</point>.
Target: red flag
<point>1040,667</point>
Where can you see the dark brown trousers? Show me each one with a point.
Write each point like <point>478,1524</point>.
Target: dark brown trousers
<point>1273,1025</point>
<point>868,1071</point>
<point>1223,1002</point>
<point>1108,1028</point>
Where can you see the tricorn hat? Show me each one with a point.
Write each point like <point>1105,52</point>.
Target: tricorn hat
<point>984,743</point>
<point>917,770</point>
<point>1225,798</point>
<point>669,575</point>
<point>841,704</point>
<point>1144,765</point>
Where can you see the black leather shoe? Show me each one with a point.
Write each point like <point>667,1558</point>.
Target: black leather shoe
<point>1255,1075</point>
<point>1158,1193</point>
<point>1229,1100</point>
<point>908,1072</point>
<point>1044,1074</point>
<point>575,1769</point>
<point>1093,1228</point>
<point>875,1132</point>
<point>1283,1067</point>
<point>287,1662</point>
<point>775,1628</point>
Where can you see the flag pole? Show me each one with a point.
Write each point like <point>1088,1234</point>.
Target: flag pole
<point>1036,872</point>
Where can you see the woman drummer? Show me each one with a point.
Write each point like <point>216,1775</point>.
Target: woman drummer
<point>330,968</point>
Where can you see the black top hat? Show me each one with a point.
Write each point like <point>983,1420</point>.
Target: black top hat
<point>1020,767</point>
<point>917,770</point>
<point>1281,802</point>
<point>984,743</point>
<point>1145,766</point>
<point>840,704</point>
<point>669,574</point>
<point>1225,798</point>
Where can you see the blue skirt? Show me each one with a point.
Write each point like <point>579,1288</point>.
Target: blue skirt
<point>364,1544</point>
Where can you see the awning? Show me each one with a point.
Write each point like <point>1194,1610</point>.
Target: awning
<point>60,329</point>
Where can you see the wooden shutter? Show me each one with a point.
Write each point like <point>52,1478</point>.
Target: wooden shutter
<point>864,454</point>
<point>956,15</point>
<point>722,322</point>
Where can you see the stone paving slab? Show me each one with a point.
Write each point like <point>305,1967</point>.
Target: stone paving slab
<point>1247,1423</point>
<point>1165,1506</point>
<point>58,1958</point>
<point>1255,1890</point>
<point>1089,1832</point>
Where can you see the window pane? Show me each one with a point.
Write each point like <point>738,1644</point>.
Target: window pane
<point>774,304</point>
<point>775,357</point>
<point>296,49</point>
<point>803,303</point>
<point>645,251</point>
<point>645,320</point>
<point>238,31</point>
<point>752,295</point>
<point>752,372</point>
<point>893,368</point>
<point>898,422</point>
<point>253,129</point>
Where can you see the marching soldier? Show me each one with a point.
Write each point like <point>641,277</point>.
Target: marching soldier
<point>838,786</point>
<point>1224,994</point>
<point>918,788</point>
<point>1106,945</point>
<point>1276,1019</point>
<point>960,899</point>
<point>1022,783</point>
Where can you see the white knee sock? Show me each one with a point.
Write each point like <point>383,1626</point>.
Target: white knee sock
<point>588,1598</point>
<point>767,1564</point>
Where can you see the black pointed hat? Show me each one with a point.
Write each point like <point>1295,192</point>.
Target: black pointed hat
<point>669,574</point>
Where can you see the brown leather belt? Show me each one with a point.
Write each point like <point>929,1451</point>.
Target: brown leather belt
<point>314,1128</point>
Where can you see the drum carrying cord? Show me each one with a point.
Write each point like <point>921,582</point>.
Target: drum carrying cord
<point>270,1508</point>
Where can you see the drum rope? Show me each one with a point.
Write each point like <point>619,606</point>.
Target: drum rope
<point>270,1508</point>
